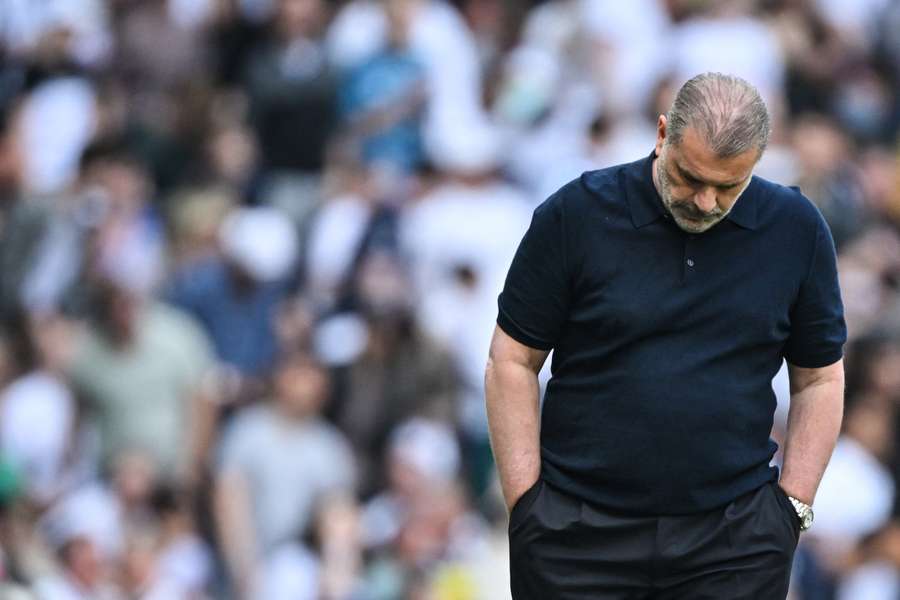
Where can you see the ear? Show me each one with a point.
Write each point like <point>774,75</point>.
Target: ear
<point>660,133</point>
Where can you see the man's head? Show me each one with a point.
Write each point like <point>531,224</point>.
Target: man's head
<point>83,561</point>
<point>301,385</point>
<point>706,147</point>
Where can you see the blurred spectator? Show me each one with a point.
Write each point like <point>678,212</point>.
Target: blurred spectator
<point>292,89</point>
<point>460,265</point>
<point>84,533</point>
<point>57,122</point>
<point>875,569</point>
<point>326,563</point>
<point>436,551</point>
<point>140,578</point>
<point>727,39</point>
<point>236,295</point>
<point>338,229</point>
<point>182,556</point>
<point>438,39</point>
<point>233,157</point>
<point>856,494</point>
<point>400,372</point>
<point>81,27</point>
<point>276,460</point>
<point>55,245</point>
<point>828,177</point>
<point>82,575</point>
<point>232,35</point>
<point>195,216</point>
<point>381,99</point>
<point>858,465</point>
<point>143,370</point>
<point>624,46</point>
<point>11,167</point>
<point>856,20</point>
<point>868,271</point>
<point>10,544</point>
<point>40,430</point>
<point>422,456</point>
<point>156,51</point>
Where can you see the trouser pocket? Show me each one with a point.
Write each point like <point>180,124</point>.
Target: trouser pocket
<point>523,504</point>
<point>787,509</point>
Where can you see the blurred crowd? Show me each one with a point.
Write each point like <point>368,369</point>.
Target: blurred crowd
<point>250,252</point>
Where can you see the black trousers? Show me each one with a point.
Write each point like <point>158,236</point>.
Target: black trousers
<point>564,549</point>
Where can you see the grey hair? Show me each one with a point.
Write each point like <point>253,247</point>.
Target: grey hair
<point>727,112</point>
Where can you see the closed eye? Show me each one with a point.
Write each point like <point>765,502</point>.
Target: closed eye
<point>689,179</point>
<point>695,182</point>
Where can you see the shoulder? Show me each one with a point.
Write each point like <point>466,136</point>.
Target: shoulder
<point>593,199</point>
<point>590,201</point>
<point>329,436</point>
<point>252,417</point>
<point>250,425</point>
<point>606,189</point>
<point>787,207</point>
<point>199,281</point>
<point>585,192</point>
<point>169,323</point>
<point>610,179</point>
<point>163,315</point>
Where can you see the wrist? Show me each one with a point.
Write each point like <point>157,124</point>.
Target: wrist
<point>797,491</point>
<point>517,490</point>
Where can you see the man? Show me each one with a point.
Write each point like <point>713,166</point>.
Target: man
<point>277,460</point>
<point>235,295</point>
<point>670,290</point>
<point>147,374</point>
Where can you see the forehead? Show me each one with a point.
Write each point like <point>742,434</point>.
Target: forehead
<point>694,156</point>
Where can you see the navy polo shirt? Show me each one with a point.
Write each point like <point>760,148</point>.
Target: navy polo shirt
<point>665,343</point>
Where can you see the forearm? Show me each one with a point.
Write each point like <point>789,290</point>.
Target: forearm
<point>512,395</point>
<point>202,419</point>
<point>232,512</point>
<point>814,423</point>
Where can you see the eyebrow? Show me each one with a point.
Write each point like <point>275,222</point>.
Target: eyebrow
<point>691,177</point>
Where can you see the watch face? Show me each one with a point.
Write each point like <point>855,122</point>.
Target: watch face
<point>807,520</point>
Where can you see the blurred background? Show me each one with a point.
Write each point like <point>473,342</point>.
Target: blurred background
<point>250,252</point>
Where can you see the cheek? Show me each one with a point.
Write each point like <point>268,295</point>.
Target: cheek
<point>677,190</point>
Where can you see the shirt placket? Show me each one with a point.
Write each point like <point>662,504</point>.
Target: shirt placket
<point>689,258</point>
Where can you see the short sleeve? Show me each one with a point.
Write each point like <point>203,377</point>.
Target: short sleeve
<point>193,353</point>
<point>534,303</point>
<point>818,331</point>
<point>236,449</point>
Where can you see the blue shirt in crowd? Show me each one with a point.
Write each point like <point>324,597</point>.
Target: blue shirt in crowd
<point>240,323</point>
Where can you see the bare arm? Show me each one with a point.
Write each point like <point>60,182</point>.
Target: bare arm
<point>814,423</point>
<point>512,394</point>
<point>202,418</point>
<point>234,522</point>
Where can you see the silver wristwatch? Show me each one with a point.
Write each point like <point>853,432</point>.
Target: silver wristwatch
<point>804,513</point>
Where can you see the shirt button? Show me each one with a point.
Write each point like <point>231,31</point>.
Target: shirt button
<point>690,262</point>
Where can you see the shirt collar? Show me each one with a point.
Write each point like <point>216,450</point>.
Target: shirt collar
<point>643,199</point>
<point>743,213</point>
<point>646,205</point>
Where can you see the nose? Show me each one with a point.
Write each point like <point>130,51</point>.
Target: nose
<point>705,199</point>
